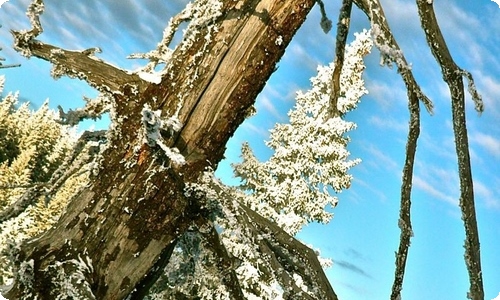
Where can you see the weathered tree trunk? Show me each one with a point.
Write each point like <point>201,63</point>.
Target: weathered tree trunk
<point>453,76</point>
<point>113,232</point>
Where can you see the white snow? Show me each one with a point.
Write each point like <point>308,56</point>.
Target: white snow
<point>153,77</point>
<point>152,123</point>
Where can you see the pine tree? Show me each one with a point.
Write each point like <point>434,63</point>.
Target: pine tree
<point>33,145</point>
<point>310,159</point>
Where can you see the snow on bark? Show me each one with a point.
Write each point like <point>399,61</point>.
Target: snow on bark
<point>390,50</point>
<point>153,124</point>
<point>200,14</point>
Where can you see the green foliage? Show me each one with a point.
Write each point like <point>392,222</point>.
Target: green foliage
<point>32,145</point>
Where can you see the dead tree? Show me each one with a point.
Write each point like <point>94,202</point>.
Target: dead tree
<point>117,233</point>
<point>136,208</point>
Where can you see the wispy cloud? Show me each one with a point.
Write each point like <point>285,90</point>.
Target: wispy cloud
<point>389,123</point>
<point>352,267</point>
<point>490,143</point>
<point>430,189</point>
<point>381,160</point>
<point>487,195</point>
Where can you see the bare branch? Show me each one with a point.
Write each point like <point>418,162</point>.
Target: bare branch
<point>406,185</point>
<point>2,66</point>
<point>452,74</point>
<point>326,24</point>
<point>342,31</point>
<point>94,109</point>
<point>75,64</point>
<point>389,48</point>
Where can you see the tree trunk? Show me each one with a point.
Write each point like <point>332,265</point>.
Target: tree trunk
<point>113,232</point>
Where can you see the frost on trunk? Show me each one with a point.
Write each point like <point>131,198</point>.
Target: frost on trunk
<point>453,76</point>
<point>116,234</point>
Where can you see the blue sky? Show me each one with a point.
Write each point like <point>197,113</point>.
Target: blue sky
<point>363,235</point>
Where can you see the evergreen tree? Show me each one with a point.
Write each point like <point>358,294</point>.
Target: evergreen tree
<point>32,145</point>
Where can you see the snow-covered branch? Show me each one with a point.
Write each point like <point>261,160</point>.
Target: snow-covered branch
<point>289,268</point>
<point>75,64</point>
<point>94,109</point>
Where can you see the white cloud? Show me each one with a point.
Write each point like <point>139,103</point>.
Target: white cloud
<point>381,160</point>
<point>489,143</point>
<point>389,123</point>
<point>387,94</point>
<point>486,194</point>
<point>425,186</point>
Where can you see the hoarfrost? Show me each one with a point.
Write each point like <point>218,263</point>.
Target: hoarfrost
<point>152,123</point>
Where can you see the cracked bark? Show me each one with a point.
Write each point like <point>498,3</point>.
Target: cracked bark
<point>124,246</point>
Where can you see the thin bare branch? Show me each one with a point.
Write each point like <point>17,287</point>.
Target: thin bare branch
<point>389,48</point>
<point>406,185</point>
<point>452,75</point>
<point>342,31</point>
<point>75,64</point>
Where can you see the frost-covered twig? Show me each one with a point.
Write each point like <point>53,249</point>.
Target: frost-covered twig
<point>23,39</point>
<point>476,97</point>
<point>94,109</point>
<point>453,76</point>
<point>75,64</point>
<point>163,52</point>
<point>201,14</point>
<point>390,50</point>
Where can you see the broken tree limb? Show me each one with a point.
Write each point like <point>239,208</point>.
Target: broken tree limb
<point>452,75</point>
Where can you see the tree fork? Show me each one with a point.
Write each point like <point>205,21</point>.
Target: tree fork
<point>122,222</point>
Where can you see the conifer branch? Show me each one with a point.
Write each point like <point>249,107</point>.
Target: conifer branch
<point>70,167</point>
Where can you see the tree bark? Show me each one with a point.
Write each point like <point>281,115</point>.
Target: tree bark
<point>114,231</point>
<point>452,75</point>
